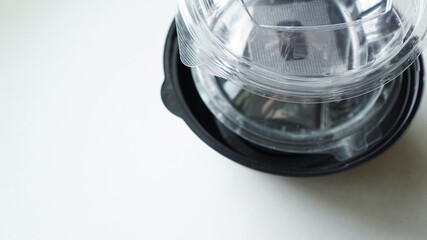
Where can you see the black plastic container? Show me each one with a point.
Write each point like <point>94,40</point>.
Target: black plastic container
<point>180,96</point>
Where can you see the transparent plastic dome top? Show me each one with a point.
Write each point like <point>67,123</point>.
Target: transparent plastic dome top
<point>302,50</point>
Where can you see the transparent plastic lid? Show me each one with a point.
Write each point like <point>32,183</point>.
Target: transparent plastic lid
<point>302,50</point>
<point>343,128</point>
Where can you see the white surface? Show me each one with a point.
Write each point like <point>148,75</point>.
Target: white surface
<point>88,151</point>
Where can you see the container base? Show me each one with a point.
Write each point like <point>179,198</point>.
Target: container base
<point>180,96</point>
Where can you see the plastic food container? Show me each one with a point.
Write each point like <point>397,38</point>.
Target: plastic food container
<point>296,87</point>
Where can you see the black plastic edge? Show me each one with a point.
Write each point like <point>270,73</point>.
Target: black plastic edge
<point>174,100</point>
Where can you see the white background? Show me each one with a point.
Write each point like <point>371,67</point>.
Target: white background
<point>88,151</point>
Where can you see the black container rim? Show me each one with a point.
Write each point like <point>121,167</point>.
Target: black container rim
<point>181,98</point>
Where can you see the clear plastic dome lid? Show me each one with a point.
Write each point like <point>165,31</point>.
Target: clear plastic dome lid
<point>302,50</point>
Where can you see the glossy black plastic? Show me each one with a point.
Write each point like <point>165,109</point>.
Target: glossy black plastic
<point>180,96</point>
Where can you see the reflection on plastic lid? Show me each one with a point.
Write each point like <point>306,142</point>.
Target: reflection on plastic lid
<point>302,50</point>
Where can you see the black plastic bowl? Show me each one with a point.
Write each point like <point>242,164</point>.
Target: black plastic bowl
<point>180,96</point>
